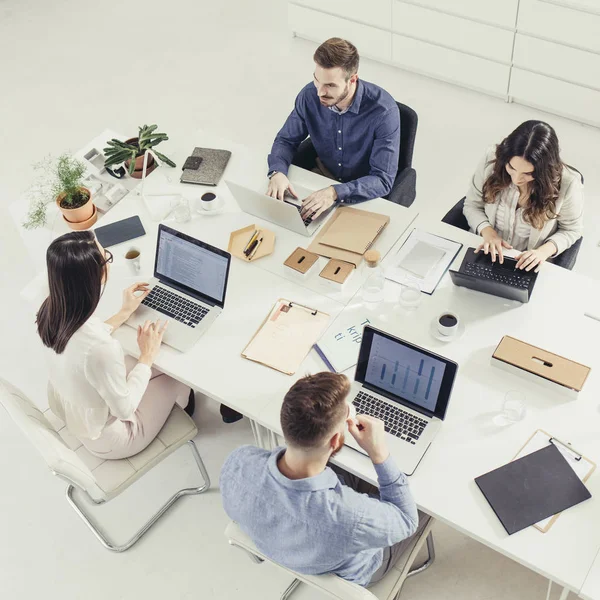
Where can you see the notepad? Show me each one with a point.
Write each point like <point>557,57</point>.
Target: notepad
<point>532,488</point>
<point>286,336</point>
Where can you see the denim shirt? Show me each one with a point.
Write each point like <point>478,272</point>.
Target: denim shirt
<point>360,146</point>
<point>316,525</point>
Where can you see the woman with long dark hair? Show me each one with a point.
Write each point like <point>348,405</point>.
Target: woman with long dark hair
<point>523,196</point>
<point>114,413</point>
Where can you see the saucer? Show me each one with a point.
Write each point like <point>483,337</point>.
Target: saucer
<point>446,338</point>
<point>210,213</point>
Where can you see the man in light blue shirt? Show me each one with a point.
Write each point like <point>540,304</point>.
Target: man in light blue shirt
<point>296,509</point>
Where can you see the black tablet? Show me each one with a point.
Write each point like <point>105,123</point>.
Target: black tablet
<point>120,231</point>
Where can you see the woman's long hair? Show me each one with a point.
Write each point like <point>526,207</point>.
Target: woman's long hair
<point>536,142</point>
<point>76,270</point>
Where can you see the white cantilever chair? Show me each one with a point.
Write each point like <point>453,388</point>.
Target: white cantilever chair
<point>100,480</point>
<point>388,588</point>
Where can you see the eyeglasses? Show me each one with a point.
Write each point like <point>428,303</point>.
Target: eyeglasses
<point>108,256</point>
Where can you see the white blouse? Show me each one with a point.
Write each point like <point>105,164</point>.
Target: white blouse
<point>509,220</point>
<point>90,381</point>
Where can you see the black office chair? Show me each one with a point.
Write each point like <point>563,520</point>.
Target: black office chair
<point>404,188</point>
<point>566,259</point>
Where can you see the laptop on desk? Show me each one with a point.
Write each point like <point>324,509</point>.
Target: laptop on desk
<point>281,212</point>
<point>478,272</point>
<point>405,386</point>
<point>188,287</point>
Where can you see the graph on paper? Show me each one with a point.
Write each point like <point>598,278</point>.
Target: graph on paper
<point>405,372</point>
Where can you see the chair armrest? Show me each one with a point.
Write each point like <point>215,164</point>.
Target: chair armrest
<point>404,189</point>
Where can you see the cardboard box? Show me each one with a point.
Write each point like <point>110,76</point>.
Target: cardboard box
<point>300,263</point>
<point>336,274</point>
<point>550,370</point>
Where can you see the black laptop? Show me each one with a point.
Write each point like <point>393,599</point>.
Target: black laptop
<point>478,272</point>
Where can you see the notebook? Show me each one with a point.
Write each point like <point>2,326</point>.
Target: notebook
<point>339,345</point>
<point>354,231</point>
<point>359,218</point>
<point>211,169</point>
<point>286,336</point>
<point>532,488</point>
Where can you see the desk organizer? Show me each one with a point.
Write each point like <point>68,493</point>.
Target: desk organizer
<point>300,263</point>
<point>550,370</point>
<point>238,240</point>
<point>336,274</point>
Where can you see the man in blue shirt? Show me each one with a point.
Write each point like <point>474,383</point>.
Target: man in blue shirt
<point>298,511</point>
<point>354,127</point>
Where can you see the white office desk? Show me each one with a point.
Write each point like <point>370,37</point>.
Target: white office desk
<point>591,587</point>
<point>469,444</point>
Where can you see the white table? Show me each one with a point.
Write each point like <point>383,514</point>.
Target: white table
<point>215,366</point>
<point>591,587</point>
<point>469,444</point>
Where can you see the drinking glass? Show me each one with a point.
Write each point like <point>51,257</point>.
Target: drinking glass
<point>410,295</point>
<point>513,409</point>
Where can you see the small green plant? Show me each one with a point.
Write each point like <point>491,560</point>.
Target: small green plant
<point>118,152</point>
<point>55,177</point>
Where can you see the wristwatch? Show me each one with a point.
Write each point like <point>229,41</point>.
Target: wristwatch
<point>271,173</point>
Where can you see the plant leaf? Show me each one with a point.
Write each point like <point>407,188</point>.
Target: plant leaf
<point>165,159</point>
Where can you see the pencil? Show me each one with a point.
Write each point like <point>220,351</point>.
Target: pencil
<point>255,249</point>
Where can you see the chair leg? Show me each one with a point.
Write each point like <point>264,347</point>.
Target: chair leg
<point>290,589</point>
<point>430,558</point>
<point>179,494</point>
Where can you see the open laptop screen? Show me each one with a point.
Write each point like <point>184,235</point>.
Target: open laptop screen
<point>405,373</point>
<point>199,269</point>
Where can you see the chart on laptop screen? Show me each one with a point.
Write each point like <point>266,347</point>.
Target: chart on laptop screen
<point>405,372</point>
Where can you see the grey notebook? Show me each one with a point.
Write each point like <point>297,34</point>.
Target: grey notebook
<point>211,169</point>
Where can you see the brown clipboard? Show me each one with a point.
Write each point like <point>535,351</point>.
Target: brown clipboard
<point>560,445</point>
<point>286,336</point>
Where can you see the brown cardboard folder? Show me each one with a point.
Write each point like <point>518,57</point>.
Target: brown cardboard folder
<point>348,234</point>
<point>286,336</point>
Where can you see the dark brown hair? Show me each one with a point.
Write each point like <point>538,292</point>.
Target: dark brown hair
<point>312,407</point>
<point>536,142</point>
<point>336,52</point>
<point>76,269</point>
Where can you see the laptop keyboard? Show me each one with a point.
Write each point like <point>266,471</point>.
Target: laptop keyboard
<point>175,306</point>
<point>516,279</point>
<point>308,219</point>
<point>398,422</point>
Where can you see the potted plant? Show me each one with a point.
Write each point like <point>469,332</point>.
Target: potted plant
<point>132,151</point>
<point>61,182</point>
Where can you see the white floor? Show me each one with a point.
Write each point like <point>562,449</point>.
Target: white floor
<point>71,68</point>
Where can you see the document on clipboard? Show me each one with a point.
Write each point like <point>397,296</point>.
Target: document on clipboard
<point>286,336</point>
<point>582,466</point>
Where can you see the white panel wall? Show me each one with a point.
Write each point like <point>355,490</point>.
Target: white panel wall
<point>543,53</point>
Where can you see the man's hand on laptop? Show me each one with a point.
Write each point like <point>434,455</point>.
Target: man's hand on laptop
<point>279,184</point>
<point>369,434</point>
<point>318,202</point>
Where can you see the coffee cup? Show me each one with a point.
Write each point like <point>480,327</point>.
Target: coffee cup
<point>447,324</point>
<point>133,259</point>
<point>209,201</point>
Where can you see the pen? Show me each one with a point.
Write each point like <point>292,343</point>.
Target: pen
<point>591,316</point>
<point>254,235</point>
<point>251,248</point>
<point>255,249</point>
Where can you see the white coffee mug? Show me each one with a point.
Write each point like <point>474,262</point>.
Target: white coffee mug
<point>447,323</point>
<point>133,259</point>
<point>210,201</point>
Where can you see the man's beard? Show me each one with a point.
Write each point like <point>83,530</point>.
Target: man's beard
<point>341,97</point>
<point>340,446</point>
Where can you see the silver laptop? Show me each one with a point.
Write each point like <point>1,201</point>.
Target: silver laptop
<point>281,212</point>
<point>188,287</point>
<point>405,386</point>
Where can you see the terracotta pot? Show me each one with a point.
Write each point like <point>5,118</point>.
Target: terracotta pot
<point>81,214</point>
<point>139,162</point>
<point>84,224</point>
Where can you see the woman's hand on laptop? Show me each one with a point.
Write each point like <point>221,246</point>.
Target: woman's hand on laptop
<point>318,202</point>
<point>492,244</point>
<point>279,184</point>
<point>369,434</point>
<point>132,299</point>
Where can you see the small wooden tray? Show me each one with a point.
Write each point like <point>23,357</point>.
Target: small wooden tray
<point>238,240</point>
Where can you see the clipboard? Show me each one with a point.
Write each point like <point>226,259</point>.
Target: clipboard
<point>582,466</point>
<point>286,336</point>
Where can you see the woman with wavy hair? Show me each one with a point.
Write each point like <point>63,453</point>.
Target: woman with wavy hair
<point>523,196</point>
<point>113,406</point>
